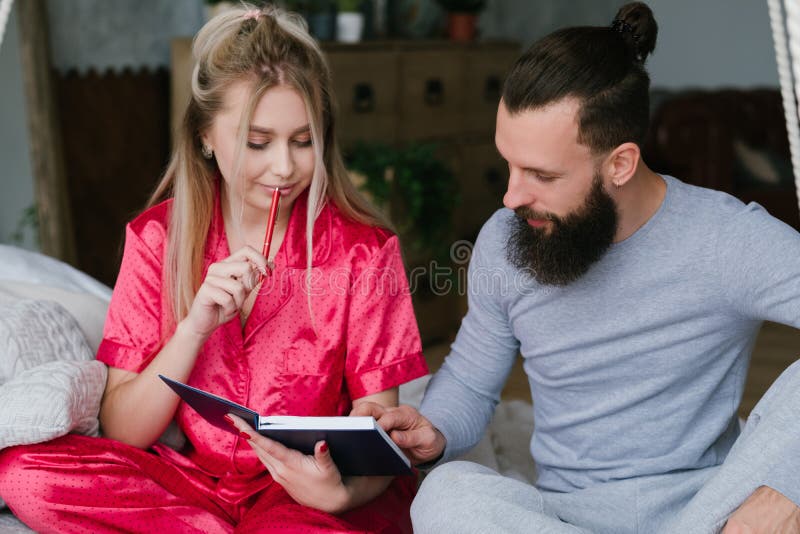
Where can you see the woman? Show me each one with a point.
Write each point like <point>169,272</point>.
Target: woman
<point>330,324</point>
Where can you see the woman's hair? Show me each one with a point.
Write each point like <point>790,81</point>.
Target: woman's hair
<point>264,47</point>
<point>603,67</point>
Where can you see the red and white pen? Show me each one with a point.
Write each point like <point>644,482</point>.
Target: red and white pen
<point>255,276</point>
<point>273,216</point>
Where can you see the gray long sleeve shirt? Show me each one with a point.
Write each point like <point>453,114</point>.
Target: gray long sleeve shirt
<point>638,367</point>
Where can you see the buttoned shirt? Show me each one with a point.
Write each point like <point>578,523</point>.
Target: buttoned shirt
<point>313,342</point>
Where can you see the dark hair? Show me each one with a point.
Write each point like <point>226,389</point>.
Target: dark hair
<point>601,66</point>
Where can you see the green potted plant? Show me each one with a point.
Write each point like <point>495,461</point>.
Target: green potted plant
<point>27,227</point>
<point>415,188</point>
<point>462,18</point>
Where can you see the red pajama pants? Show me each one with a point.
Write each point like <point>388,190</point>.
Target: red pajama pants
<point>81,484</point>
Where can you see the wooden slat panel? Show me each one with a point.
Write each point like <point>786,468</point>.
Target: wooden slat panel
<point>181,75</point>
<point>116,145</point>
<point>431,94</point>
<point>56,236</point>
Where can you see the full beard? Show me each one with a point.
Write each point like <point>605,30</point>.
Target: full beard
<point>575,242</point>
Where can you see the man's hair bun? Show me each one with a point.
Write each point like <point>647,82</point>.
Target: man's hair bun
<point>637,26</point>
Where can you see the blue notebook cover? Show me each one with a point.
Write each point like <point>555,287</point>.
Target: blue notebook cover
<point>358,445</point>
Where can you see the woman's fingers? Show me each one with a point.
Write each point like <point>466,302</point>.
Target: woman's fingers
<point>282,462</point>
<point>247,433</point>
<point>225,289</point>
<point>271,453</point>
<point>249,254</point>
<point>323,456</point>
<point>217,296</point>
<point>269,462</point>
<point>245,265</point>
<point>230,269</point>
<point>235,288</point>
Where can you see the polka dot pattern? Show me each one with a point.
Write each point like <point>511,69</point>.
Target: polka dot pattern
<point>87,485</point>
<point>360,337</point>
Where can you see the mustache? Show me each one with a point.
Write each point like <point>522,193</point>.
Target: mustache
<point>524,212</point>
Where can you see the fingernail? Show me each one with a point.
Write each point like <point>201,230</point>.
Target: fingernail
<point>229,420</point>
<point>244,435</point>
<point>324,447</point>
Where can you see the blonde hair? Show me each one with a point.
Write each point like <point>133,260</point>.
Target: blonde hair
<point>266,47</point>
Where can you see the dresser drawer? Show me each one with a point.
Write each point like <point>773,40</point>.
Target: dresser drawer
<point>485,72</point>
<point>431,93</point>
<point>365,83</point>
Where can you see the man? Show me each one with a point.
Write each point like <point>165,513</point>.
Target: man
<point>635,300</point>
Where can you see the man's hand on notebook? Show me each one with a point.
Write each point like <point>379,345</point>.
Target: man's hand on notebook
<point>419,439</point>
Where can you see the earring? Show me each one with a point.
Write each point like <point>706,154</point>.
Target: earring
<point>207,151</point>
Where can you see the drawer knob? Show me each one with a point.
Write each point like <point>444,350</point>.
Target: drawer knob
<point>434,92</point>
<point>363,98</point>
<point>491,90</point>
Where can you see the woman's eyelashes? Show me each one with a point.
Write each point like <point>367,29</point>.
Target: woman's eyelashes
<point>300,143</point>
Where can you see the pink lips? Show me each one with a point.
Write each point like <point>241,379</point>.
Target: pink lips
<point>537,223</point>
<point>285,190</point>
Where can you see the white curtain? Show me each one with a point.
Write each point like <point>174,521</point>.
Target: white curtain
<point>784,17</point>
<point>116,34</point>
<point>5,12</point>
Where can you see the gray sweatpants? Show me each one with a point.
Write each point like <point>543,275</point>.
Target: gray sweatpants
<point>465,497</point>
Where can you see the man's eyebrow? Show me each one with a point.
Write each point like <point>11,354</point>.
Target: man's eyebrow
<point>544,172</point>
<point>553,173</point>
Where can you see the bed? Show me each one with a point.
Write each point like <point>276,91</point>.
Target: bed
<point>50,384</point>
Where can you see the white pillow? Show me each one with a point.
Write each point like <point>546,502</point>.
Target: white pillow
<point>34,268</point>
<point>50,383</point>
<point>34,332</point>
<point>51,400</point>
<point>27,274</point>
<point>88,309</point>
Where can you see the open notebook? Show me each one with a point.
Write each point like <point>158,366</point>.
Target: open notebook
<point>358,445</point>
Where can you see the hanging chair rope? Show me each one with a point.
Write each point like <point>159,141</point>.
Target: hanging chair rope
<point>787,47</point>
<point>5,12</point>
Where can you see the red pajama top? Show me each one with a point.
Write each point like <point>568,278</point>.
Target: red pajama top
<point>363,338</point>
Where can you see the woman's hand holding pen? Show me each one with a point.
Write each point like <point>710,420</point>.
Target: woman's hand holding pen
<point>223,292</point>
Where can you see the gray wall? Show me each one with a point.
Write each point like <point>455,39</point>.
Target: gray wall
<point>16,185</point>
<point>701,43</point>
<point>713,43</point>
